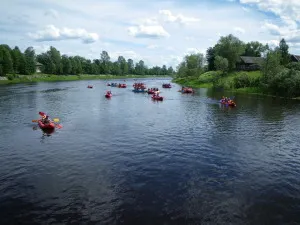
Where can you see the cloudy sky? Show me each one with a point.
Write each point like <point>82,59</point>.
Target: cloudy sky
<point>158,32</point>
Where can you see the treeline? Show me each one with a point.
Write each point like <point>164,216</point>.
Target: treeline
<point>279,76</point>
<point>223,56</point>
<point>13,61</point>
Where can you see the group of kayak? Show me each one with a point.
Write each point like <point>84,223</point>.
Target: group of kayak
<point>141,87</point>
<point>227,101</point>
<point>117,85</point>
<point>152,90</point>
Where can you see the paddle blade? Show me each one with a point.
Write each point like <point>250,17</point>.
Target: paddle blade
<point>56,120</point>
<point>58,126</point>
<point>34,121</point>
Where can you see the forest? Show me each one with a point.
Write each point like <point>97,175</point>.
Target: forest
<point>14,61</point>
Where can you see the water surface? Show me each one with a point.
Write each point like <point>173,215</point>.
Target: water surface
<point>129,160</point>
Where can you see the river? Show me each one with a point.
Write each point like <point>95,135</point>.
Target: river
<point>129,160</point>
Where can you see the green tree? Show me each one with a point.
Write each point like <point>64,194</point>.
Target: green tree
<point>164,70</point>
<point>49,66</point>
<point>270,67</point>
<point>6,61</point>
<point>140,68</point>
<point>255,49</point>
<point>105,63</point>
<point>284,52</point>
<point>170,71</point>
<point>16,57</point>
<point>210,58</point>
<point>66,64</point>
<point>116,69</point>
<point>55,57</point>
<point>221,64</point>
<point>30,60</point>
<point>130,66</point>
<point>230,47</point>
<point>123,65</point>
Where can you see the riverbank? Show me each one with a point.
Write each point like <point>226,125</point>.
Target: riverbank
<point>227,82</point>
<point>15,79</point>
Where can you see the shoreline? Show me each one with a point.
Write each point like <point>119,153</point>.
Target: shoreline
<point>247,90</point>
<point>54,78</point>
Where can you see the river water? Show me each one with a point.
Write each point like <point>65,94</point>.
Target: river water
<point>129,160</point>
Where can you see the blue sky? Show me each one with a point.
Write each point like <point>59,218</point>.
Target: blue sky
<point>158,32</point>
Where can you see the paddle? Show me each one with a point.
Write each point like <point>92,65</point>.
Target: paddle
<point>55,120</point>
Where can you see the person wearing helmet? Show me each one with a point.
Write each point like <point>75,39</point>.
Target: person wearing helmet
<point>45,119</point>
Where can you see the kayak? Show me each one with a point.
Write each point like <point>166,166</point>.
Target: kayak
<point>48,126</point>
<point>158,98</point>
<point>108,95</point>
<point>187,91</point>
<point>151,92</point>
<point>228,104</point>
<point>90,86</point>
<point>166,86</point>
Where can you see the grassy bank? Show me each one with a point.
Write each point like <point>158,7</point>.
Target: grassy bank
<point>11,79</point>
<point>226,82</point>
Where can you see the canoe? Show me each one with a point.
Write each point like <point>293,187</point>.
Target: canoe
<point>158,98</point>
<point>48,126</point>
<point>166,86</point>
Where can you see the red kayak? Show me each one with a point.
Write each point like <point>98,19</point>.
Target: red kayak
<point>151,92</point>
<point>90,86</point>
<point>232,104</point>
<point>108,95</point>
<point>158,98</point>
<point>48,126</point>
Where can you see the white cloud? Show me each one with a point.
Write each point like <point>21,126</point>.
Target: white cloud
<point>152,46</point>
<point>127,54</point>
<point>52,13</point>
<point>52,33</point>
<point>169,17</point>
<point>245,9</point>
<point>194,51</point>
<point>289,13</point>
<point>287,8</point>
<point>190,38</point>
<point>239,30</point>
<point>148,31</point>
<point>145,20</point>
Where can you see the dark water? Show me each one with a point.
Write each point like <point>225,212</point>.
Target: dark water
<point>129,160</point>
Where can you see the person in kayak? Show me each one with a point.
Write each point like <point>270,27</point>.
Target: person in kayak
<point>46,120</point>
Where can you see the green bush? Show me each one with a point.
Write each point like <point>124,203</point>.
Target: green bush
<point>242,81</point>
<point>294,65</point>
<point>11,76</point>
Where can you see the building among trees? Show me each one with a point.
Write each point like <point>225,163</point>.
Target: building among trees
<point>249,63</point>
<point>38,67</point>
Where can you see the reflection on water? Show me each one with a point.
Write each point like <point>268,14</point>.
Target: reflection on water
<point>130,160</point>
